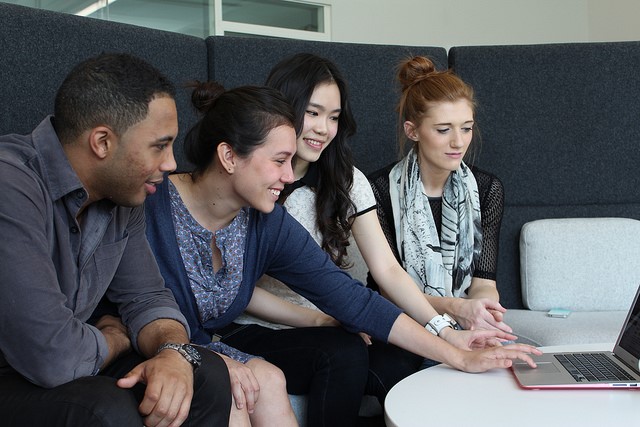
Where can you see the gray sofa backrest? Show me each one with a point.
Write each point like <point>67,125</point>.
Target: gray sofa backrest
<point>560,126</point>
<point>40,47</point>
<point>559,123</point>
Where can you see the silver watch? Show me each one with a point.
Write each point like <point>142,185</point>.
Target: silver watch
<point>186,350</point>
<point>438,323</point>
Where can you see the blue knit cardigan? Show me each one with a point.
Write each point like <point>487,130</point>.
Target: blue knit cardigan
<point>277,245</point>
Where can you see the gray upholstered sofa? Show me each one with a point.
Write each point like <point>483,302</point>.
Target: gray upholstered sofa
<point>560,125</point>
<point>588,266</point>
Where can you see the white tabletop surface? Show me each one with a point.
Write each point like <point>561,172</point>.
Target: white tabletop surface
<point>443,396</point>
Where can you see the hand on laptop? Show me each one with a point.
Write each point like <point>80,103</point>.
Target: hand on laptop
<point>499,357</point>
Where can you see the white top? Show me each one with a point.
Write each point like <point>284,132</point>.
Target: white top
<point>494,398</point>
<point>301,205</point>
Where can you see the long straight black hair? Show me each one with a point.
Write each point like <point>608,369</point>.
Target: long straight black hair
<point>297,77</point>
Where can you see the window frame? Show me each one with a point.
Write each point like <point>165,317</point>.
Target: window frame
<point>220,26</point>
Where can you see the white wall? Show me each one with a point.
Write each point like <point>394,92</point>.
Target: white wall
<point>615,20</point>
<point>483,22</point>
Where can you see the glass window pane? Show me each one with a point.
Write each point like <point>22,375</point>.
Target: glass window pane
<point>185,16</point>
<point>260,18</point>
<point>275,13</point>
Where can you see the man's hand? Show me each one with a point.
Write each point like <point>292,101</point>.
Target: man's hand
<point>169,380</point>
<point>116,335</point>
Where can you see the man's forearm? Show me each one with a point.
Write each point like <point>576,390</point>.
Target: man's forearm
<point>158,332</point>
<point>116,335</point>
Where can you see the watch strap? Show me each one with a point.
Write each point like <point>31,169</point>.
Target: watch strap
<point>186,350</point>
<point>438,323</point>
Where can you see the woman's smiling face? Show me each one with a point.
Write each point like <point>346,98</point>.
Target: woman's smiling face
<point>320,122</point>
<point>263,174</point>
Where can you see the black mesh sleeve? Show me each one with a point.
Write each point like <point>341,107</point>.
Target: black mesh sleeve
<point>379,181</point>
<point>491,206</point>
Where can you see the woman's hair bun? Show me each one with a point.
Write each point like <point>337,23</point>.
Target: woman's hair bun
<point>204,94</point>
<point>415,69</point>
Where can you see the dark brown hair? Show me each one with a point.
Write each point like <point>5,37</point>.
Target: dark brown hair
<point>241,117</point>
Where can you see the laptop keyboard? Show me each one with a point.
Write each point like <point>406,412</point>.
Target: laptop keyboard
<point>592,367</point>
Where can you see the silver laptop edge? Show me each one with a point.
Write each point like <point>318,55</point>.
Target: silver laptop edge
<point>626,353</point>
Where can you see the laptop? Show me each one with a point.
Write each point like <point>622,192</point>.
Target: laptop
<point>564,370</point>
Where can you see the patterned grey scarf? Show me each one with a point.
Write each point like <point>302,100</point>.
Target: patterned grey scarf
<point>440,265</point>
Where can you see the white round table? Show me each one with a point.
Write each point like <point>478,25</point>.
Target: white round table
<point>443,396</point>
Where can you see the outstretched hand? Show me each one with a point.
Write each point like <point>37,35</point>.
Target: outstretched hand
<point>481,313</point>
<point>477,339</point>
<point>169,380</point>
<point>498,357</point>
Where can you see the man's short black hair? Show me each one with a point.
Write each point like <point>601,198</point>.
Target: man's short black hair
<point>112,89</point>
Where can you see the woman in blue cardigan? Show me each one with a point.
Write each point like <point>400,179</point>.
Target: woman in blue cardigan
<point>217,230</point>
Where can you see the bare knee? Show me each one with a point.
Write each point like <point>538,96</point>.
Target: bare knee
<point>269,376</point>
<point>273,406</point>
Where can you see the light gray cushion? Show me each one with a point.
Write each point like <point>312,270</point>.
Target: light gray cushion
<point>581,264</point>
<point>299,405</point>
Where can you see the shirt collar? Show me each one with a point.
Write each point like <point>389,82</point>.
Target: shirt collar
<point>57,172</point>
<point>310,179</point>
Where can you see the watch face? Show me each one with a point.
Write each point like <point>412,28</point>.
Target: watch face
<point>192,352</point>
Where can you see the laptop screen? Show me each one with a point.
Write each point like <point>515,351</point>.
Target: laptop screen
<point>630,338</point>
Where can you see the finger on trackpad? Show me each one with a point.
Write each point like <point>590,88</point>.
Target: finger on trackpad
<point>543,367</point>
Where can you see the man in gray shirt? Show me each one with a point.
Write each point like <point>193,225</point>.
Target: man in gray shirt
<point>73,233</point>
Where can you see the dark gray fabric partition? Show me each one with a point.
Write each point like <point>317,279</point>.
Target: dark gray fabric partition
<point>558,121</point>
<point>559,126</point>
<point>369,70</point>
<point>40,47</point>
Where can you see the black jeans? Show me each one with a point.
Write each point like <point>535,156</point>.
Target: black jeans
<point>98,401</point>
<point>388,364</point>
<point>328,364</point>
